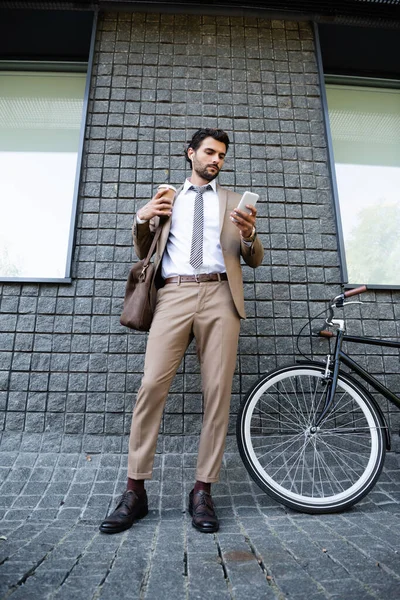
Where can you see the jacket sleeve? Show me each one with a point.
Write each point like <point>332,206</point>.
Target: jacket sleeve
<point>252,255</point>
<point>143,235</point>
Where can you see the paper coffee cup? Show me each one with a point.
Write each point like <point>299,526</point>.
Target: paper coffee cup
<point>169,192</point>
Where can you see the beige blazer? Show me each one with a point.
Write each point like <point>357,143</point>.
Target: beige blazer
<point>232,246</point>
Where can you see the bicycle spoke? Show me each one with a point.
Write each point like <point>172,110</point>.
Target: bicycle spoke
<point>300,457</point>
<point>355,452</point>
<point>342,461</point>
<point>318,470</point>
<point>296,411</point>
<point>270,444</point>
<point>292,420</point>
<point>329,471</point>
<point>292,381</point>
<point>269,417</point>
<point>279,455</point>
<point>338,409</point>
<point>353,440</point>
<point>354,430</point>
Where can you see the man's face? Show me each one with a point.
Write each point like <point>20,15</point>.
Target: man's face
<point>208,159</point>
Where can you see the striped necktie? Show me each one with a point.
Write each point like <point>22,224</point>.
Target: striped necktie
<point>196,250</point>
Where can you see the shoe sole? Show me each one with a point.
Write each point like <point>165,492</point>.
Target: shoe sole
<point>204,529</point>
<point>110,530</point>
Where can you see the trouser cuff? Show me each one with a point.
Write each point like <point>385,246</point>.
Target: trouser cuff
<point>133,475</point>
<point>206,478</point>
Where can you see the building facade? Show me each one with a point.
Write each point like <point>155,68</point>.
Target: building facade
<point>67,366</point>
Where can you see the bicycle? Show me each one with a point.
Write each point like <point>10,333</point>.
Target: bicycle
<point>311,435</point>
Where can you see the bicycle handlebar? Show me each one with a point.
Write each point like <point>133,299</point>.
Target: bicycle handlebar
<point>339,302</point>
<point>355,291</point>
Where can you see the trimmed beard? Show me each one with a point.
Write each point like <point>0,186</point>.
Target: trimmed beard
<point>202,171</point>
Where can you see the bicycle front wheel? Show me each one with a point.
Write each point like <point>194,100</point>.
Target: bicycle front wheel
<point>314,469</point>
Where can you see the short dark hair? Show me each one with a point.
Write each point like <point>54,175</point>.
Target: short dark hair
<point>202,134</point>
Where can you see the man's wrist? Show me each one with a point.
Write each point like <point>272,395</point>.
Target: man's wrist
<point>139,220</point>
<point>251,238</point>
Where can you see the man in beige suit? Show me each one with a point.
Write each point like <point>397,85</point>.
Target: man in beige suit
<point>200,295</point>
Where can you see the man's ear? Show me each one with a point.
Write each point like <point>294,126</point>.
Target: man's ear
<point>190,153</point>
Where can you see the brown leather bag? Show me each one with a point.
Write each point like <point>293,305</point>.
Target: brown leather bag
<point>140,292</point>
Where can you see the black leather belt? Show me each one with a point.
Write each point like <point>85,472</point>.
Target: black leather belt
<point>201,278</point>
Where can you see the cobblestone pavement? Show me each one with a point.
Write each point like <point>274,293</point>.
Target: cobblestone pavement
<point>55,491</point>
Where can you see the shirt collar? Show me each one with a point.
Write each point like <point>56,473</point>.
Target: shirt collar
<point>188,183</point>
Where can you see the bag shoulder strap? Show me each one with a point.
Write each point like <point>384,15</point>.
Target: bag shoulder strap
<point>153,245</point>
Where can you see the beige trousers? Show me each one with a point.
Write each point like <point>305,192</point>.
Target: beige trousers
<point>207,312</point>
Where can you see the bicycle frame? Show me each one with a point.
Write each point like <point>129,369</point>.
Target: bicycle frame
<point>341,357</point>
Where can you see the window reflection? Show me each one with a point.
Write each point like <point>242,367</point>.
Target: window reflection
<point>40,119</point>
<point>365,127</point>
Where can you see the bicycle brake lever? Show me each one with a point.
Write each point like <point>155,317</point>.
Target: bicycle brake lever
<point>353,302</point>
<point>338,301</point>
<point>341,304</point>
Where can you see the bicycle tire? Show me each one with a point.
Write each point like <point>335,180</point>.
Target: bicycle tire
<point>316,472</point>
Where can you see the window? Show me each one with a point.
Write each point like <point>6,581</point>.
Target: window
<point>361,70</point>
<point>40,121</point>
<point>45,66</point>
<point>365,129</point>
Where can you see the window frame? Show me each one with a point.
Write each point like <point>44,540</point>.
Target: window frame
<point>355,81</point>
<point>62,66</point>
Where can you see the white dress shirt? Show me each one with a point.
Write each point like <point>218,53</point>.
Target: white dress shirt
<point>177,252</point>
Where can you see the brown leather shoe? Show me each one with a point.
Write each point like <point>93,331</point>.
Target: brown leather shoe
<point>129,508</point>
<point>201,508</point>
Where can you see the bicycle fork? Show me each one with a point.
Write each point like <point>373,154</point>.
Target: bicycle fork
<point>331,376</point>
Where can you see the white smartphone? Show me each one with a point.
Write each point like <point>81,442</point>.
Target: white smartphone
<point>247,198</point>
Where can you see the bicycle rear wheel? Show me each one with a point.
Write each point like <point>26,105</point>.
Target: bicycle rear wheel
<point>314,470</point>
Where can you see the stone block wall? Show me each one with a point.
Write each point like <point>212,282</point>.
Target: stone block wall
<point>66,363</point>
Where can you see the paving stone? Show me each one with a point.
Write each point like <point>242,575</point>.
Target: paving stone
<point>268,95</point>
<point>340,588</point>
<point>261,551</point>
<point>243,568</point>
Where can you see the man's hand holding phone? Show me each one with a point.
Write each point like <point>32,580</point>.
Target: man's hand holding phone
<point>244,216</point>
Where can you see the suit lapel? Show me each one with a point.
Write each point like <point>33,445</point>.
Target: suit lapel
<point>162,242</point>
